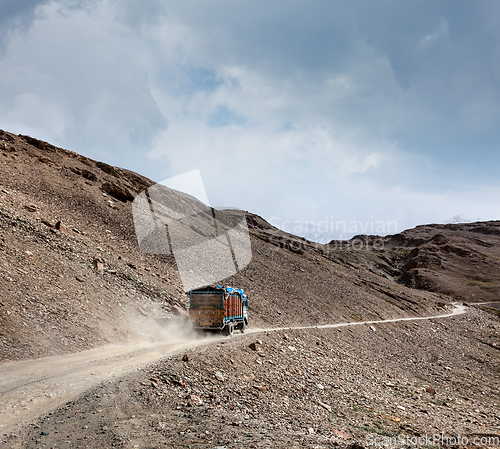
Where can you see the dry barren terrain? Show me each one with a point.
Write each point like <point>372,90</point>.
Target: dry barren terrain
<point>73,279</point>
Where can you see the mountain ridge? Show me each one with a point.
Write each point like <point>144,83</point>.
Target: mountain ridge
<point>60,213</point>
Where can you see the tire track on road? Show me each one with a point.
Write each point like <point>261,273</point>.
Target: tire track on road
<point>32,388</point>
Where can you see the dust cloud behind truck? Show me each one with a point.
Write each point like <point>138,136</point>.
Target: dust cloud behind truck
<point>218,308</point>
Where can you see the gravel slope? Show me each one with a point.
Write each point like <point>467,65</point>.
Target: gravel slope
<point>73,278</point>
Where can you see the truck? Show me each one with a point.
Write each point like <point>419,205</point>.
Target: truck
<point>218,308</point>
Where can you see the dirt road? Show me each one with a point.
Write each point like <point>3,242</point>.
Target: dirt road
<point>457,310</point>
<point>29,389</point>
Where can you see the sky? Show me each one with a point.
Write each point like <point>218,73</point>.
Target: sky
<point>341,117</point>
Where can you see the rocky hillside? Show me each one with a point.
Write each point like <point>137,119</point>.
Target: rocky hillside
<point>73,275</point>
<point>459,260</point>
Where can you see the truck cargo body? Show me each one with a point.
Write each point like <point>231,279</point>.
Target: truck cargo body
<point>218,308</point>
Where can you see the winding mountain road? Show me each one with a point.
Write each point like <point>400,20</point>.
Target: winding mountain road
<point>29,389</point>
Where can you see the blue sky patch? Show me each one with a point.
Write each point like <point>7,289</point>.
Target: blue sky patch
<point>223,116</point>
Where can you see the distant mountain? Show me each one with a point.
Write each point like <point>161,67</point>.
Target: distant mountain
<point>73,275</point>
<point>461,219</point>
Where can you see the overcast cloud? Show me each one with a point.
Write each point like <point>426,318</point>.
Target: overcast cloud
<point>339,111</point>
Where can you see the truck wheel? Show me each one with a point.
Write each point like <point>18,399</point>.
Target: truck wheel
<point>242,328</point>
<point>229,330</point>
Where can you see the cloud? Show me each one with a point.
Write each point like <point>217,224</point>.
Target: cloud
<point>430,38</point>
<point>290,108</point>
<point>16,15</point>
<point>79,80</point>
